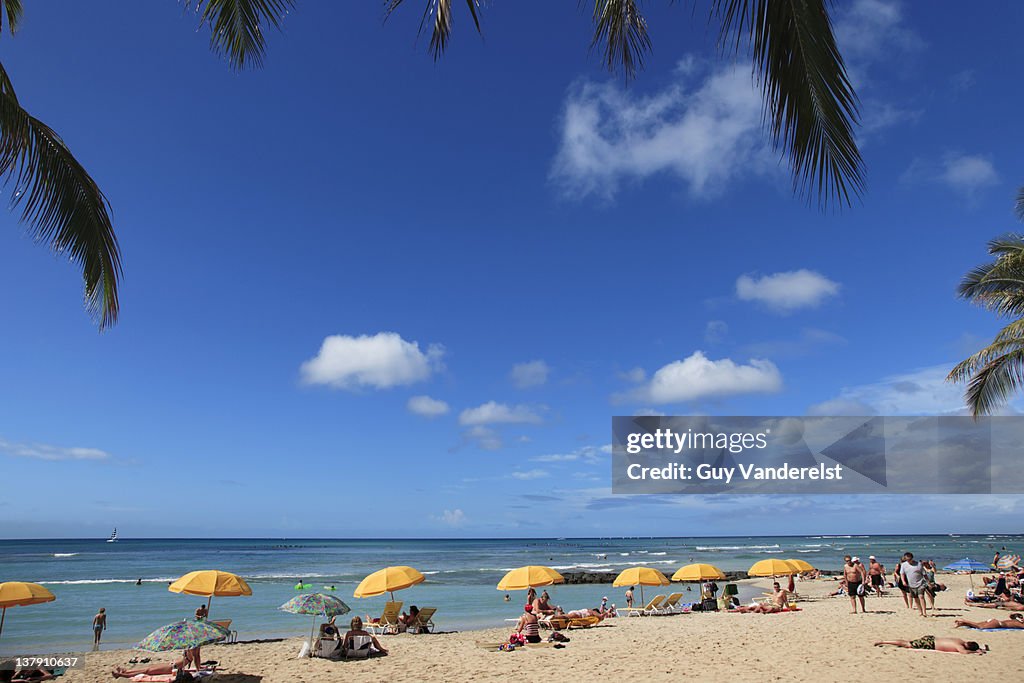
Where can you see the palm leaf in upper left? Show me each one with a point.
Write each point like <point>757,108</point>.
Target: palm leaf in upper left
<point>58,199</point>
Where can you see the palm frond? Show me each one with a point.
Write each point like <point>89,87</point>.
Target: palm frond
<point>992,385</point>
<point>439,14</point>
<point>999,285</point>
<point>237,27</point>
<point>622,29</point>
<point>810,104</point>
<point>60,201</point>
<point>12,11</point>
<point>1018,206</point>
<point>966,368</point>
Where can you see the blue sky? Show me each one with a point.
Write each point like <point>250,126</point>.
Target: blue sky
<point>412,295</point>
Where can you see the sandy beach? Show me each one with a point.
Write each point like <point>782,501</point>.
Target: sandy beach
<point>822,642</point>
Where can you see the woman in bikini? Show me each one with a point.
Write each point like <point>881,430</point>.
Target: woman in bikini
<point>529,625</point>
<point>1016,620</point>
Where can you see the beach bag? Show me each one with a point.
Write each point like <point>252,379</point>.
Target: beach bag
<point>860,589</point>
<point>517,639</point>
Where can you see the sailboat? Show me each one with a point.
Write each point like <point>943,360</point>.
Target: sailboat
<point>113,536</point>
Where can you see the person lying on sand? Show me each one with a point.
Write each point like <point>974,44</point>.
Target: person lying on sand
<point>32,675</point>
<point>1016,620</point>
<point>956,645</point>
<point>996,604</point>
<point>185,662</point>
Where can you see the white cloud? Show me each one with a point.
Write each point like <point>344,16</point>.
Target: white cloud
<point>698,377</point>
<point>530,374</point>
<point>379,361</point>
<point>42,451</point>
<point>968,173</point>
<point>529,474</point>
<point>918,392</point>
<point>787,291</point>
<point>706,134</point>
<point>427,406</point>
<point>454,517</point>
<point>494,413</point>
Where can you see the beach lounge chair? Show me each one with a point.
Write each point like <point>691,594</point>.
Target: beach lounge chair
<point>671,604</point>
<point>559,622</point>
<point>424,621</point>
<point>226,623</point>
<point>652,607</point>
<point>387,623</point>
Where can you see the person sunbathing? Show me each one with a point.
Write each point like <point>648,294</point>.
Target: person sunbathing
<point>995,603</point>
<point>356,629</point>
<point>32,676</point>
<point>160,668</point>
<point>955,645</point>
<point>1016,620</point>
<point>410,619</point>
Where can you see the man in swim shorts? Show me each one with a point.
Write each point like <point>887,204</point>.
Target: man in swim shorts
<point>955,645</point>
<point>913,576</point>
<point>853,573</point>
<point>876,573</point>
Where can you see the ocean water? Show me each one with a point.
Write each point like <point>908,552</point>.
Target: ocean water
<point>461,576</point>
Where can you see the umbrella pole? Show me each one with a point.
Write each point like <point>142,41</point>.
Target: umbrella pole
<point>2,615</point>
<point>642,602</point>
<point>312,626</point>
<point>209,601</point>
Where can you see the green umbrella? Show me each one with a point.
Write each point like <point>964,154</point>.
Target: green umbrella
<point>183,635</point>
<point>318,605</point>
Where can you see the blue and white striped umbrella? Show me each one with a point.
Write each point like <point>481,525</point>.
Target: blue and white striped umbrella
<point>967,565</point>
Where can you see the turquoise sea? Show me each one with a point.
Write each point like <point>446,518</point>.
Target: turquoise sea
<point>461,576</point>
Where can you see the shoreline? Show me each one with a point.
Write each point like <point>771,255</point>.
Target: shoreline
<point>822,641</point>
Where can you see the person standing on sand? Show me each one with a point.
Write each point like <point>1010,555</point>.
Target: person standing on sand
<point>629,597</point>
<point>876,575</point>
<point>913,576</point>
<point>99,625</point>
<point>853,573</point>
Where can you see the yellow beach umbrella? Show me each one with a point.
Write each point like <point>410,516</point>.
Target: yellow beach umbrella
<point>210,582</point>
<point>19,594</point>
<point>641,576</point>
<point>532,576</point>
<point>801,565</point>
<point>387,580</point>
<point>772,567</point>
<point>699,572</point>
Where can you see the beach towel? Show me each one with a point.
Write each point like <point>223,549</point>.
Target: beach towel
<point>995,629</point>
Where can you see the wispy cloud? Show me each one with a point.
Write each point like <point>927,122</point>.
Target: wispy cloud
<point>426,406</point>
<point>965,174</point>
<point>924,391</point>
<point>42,451</point>
<point>531,374</point>
<point>378,361</point>
<point>808,341</point>
<point>698,377</point>
<point>704,129</point>
<point>454,517</point>
<point>586,454</point>
<point>493,412</point>
<point>788,291</point>
<point>529,474</point>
